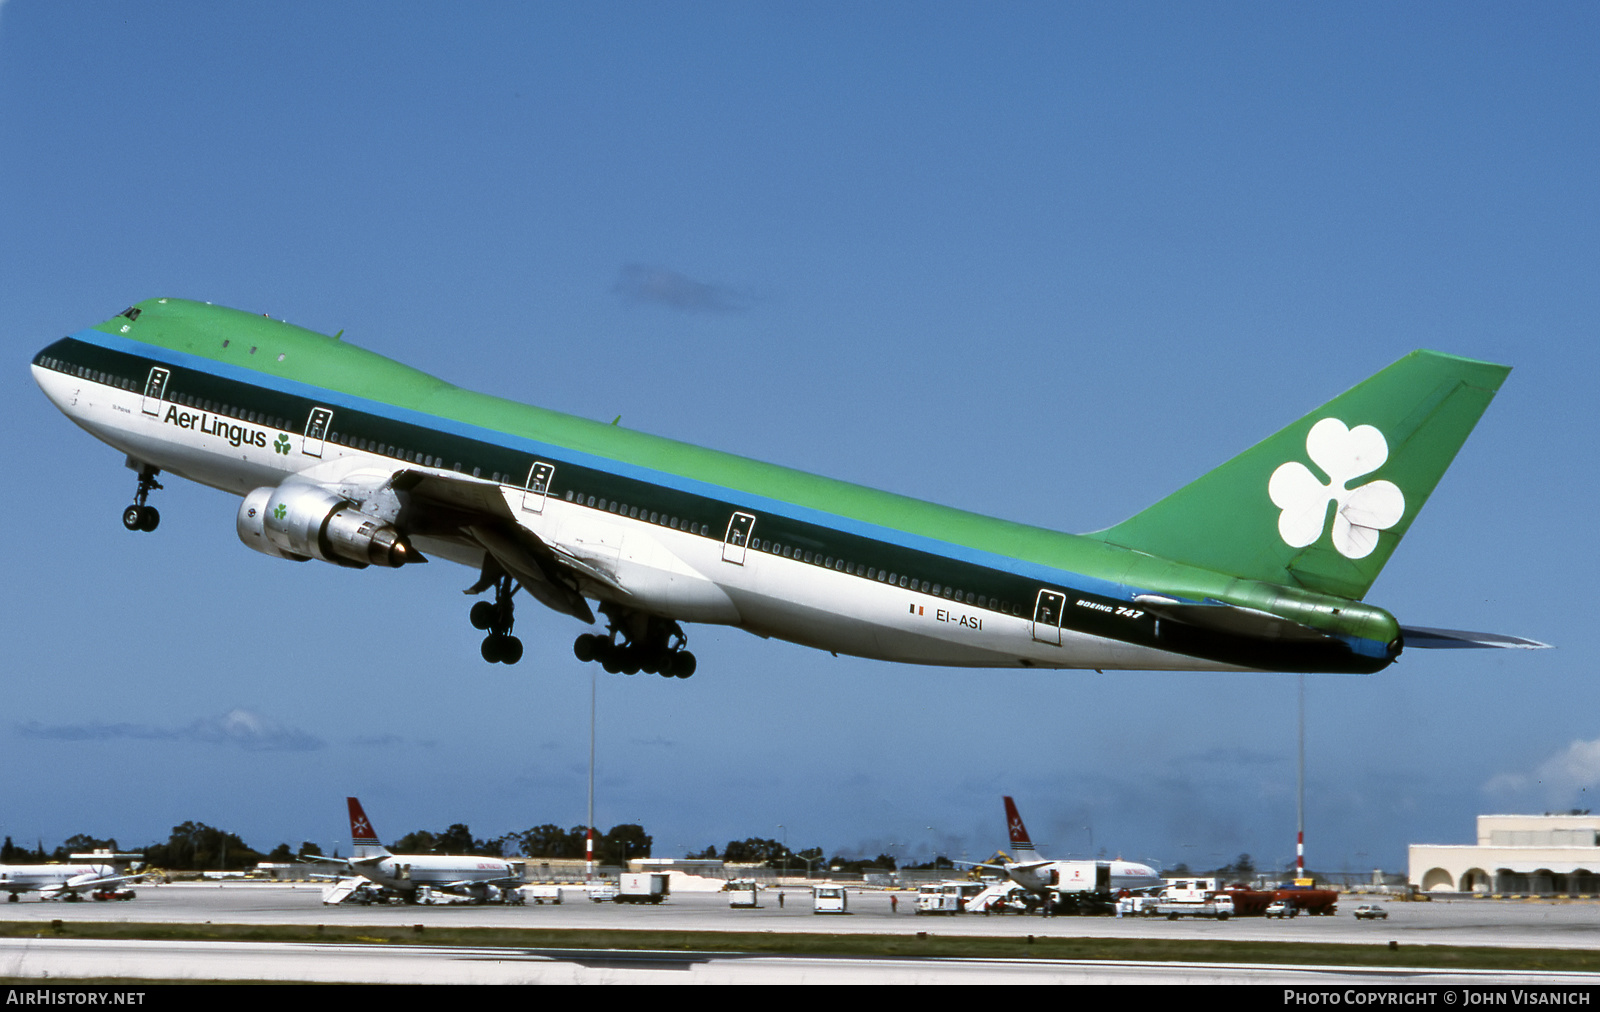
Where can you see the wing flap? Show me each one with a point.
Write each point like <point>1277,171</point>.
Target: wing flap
<point>481,513</point>
<point>535,565</point>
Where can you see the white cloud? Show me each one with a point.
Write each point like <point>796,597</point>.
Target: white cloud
<point>1558,781</point>
<point>243,728</point>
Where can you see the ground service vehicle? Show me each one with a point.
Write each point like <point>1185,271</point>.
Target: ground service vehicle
<point>829,899</point>
<point>1192,898</point>
<point>642,887</point>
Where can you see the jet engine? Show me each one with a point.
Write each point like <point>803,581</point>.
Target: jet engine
<point>303,522</point>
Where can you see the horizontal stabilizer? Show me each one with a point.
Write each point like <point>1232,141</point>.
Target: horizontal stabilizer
<point>1458,639</point>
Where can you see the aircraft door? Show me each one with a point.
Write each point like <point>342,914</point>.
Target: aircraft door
<point>316,431</point>
<point>538,486</point>
<point>1047,617</point>
<point>735,542</point>
<point>155,390</point>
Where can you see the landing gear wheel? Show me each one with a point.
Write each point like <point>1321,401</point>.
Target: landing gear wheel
<point>482,615</point>
<point>495,617</point>
<point>140,517</point>
<point>636,642</point>
<point>501,649</point>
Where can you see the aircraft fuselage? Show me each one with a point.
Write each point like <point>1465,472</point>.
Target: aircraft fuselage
<point>659,528</point>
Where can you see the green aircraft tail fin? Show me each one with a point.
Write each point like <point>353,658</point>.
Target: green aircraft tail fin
<point>1323,503</point>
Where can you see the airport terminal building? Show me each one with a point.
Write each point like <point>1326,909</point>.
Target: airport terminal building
<point>1551,854</point>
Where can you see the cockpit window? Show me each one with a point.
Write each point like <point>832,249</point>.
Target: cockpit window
<point>132,312</point>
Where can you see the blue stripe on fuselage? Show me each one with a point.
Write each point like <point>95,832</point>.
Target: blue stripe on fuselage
<point>1062,579</point>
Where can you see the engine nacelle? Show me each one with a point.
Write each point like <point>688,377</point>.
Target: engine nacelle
<point>309,522</point>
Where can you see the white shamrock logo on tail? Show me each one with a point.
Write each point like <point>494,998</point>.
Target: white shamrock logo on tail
<point>1360,513</point>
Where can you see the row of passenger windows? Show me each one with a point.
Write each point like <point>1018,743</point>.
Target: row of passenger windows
<point>187,400</point>
<point>637,513</point>
<point>882,576</point>
<point>802,555</point>
<point>609,505</point>
<point>218,408</point>
<point>398,452</point>
<point>84,372</point>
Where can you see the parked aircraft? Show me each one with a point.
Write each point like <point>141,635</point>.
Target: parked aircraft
<point>1064,879</point>
<point>67,881</point>
<point>464,875</point>
<point>347,457</point>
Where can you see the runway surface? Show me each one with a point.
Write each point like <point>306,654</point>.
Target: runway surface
<point>1413,926</point>
<point>55,959</point>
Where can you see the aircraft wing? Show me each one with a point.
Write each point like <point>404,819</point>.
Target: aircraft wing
<point>321,859</point>
<point>466,886</point>
<point>1457,639</point>
<point>477,510</point>
<point>76,885</point>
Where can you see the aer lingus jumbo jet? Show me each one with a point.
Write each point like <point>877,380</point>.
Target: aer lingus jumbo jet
<point>351,458</point>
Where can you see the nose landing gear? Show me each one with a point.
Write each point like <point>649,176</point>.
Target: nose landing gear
<point>140,517</point>
<point>648,643</point>
<point>499,647</point>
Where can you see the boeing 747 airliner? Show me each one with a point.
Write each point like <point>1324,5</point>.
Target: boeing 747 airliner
<point>347,457</point>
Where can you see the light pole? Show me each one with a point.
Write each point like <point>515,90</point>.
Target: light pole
<point>588,861</point>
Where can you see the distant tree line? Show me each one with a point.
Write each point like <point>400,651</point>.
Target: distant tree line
<point>195,846</point>
<point>777,856</point>
<point>620,845</point>
<point>1243,869</point>
<point>80,844</point>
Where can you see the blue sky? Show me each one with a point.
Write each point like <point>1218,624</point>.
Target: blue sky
<point>888,243</point>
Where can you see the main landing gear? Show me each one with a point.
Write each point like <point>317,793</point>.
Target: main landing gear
<point>499,647</point>
<point>140,517</point>
<point>649,643</point>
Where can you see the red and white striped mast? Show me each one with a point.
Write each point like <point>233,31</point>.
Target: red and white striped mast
<point>1300,792</point>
